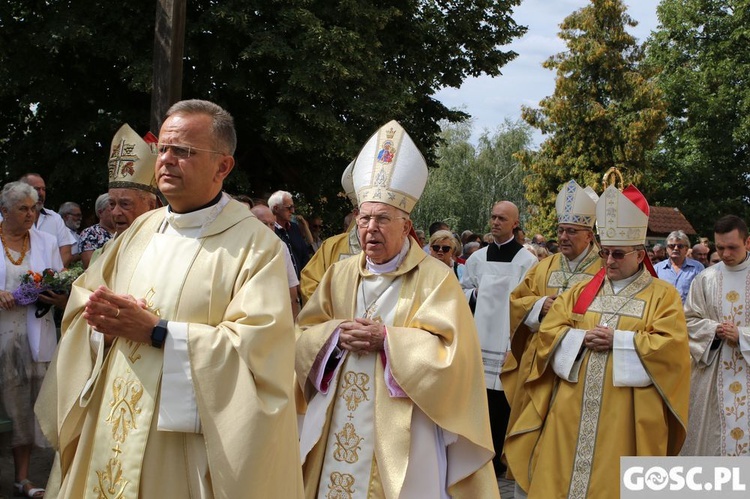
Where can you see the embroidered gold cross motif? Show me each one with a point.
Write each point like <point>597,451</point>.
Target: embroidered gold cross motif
<point>122,160</point>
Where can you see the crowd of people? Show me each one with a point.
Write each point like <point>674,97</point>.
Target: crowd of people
<point>218,345</point>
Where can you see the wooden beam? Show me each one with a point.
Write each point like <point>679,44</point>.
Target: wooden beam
<point>169,44</point>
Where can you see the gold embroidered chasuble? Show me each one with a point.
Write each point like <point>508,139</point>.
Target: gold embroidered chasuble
<point>579,430</point>
<point>551,276</point>
<point>434,357</point>
<point>234,299</point>
<point>720,382</point>
<point>332,250</point>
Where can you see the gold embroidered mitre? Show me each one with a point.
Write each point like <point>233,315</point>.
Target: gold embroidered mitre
<point>132,160</point>
<point>347,183</point>
<point>622,217</point>
<point>390,169</point>
<point>576,205</point>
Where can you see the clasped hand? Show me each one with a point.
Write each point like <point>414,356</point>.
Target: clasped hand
<point>599,339</point>
<point>361,335</point>
<point>728,331</point>
<point>120,315</point>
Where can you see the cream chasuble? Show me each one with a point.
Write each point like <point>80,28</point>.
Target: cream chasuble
<point>132,376</point>
<point>719,417</point>
<point>598,406</point>
<point>428,406</point>
<point>229,351</point>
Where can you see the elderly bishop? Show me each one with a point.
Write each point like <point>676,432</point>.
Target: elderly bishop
<point>388,357</point>
<point>617,347</point>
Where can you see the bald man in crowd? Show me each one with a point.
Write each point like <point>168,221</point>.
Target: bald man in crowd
<point>490,275</point>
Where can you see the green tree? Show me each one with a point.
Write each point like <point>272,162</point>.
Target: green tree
<point>604,111</point>
<point>307,81</point>
<point>702,49</point>
<point>470,179</point>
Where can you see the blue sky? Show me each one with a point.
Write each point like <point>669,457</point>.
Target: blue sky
<point>524,81</point>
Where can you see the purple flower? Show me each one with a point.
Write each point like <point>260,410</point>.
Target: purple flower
<point>27,293</point>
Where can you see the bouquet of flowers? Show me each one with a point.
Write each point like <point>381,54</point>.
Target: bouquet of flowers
<point>33,284</point>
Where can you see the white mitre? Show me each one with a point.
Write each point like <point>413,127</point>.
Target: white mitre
<point>132,160</point>
<point>576,205</point>
<point>390,169</point>
<point>622,217</point>
<point>347,183</point>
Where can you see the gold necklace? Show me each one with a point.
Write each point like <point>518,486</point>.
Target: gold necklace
<point>24,247</point>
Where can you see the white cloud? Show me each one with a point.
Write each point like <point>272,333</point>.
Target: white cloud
<point>524,81</point>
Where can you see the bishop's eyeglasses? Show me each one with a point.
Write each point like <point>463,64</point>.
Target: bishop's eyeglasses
<point>363,221</point>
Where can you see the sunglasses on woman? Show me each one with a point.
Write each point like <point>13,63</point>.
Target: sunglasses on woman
<point>437,248</point>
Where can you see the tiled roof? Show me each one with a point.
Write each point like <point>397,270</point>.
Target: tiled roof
<point>664,219</point>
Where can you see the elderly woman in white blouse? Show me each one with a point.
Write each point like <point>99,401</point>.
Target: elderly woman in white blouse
<point>26,342</point>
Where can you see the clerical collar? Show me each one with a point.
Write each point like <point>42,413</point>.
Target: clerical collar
<point>506,242</point>
<point>197,219</point>
<point>619,285</point>
<point>390,265</point>
<point>575,261</point>
<point>207,205</point>
<point>740,266</point>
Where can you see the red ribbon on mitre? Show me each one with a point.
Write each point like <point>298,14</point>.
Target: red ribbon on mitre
<point>594,285</point>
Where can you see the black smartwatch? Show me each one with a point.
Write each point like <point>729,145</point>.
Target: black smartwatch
<point>159,334</point>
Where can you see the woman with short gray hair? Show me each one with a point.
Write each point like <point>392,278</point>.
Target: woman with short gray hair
<point>27,342</point>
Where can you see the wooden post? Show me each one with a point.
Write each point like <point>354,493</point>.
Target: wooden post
<point>169,43</point>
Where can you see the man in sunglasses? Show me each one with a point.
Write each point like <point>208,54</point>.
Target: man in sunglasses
<point>678,269</point>
<point>612,369</point>
<point>577,261</point>
<point>719,328</point>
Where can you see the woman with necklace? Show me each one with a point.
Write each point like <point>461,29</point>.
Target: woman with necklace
<point>26,342</point>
